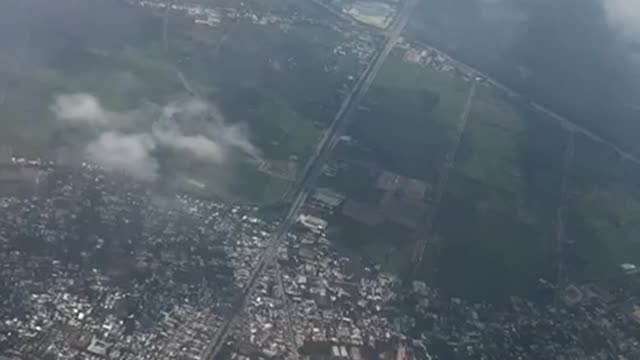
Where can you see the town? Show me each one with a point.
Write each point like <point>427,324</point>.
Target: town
<point>99,267</point>
<point>94,265</point>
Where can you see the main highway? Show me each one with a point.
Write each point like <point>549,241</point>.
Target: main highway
<point>313,169</point>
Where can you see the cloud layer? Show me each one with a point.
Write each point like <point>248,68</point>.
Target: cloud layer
<point>125,154</point>
<point>81,109</point>
<point>197,145</point>
<point>191,127</point>
<point>625,14</point>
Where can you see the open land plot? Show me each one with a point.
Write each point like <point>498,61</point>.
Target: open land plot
<point>236,181</point>
<point>498,214</point>
<point>603,220</point>
<point>279,78</point>
<point>400,136</point>
<point>116,61</point>
<point>387,245</point>
<point>282,8</point>
<point>409,118</point>
<point>307,9</point>
<point>283,79</point>
<point>283,82</point>
<point>489,150</point>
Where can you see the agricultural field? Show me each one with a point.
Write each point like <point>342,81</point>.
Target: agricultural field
<point>603,217</point>
<point>281,80</point>
<point>42,66</point>
<point>409,118</point>
<point>278,80</point>
<point>498,212</point>
<point>403,129</point>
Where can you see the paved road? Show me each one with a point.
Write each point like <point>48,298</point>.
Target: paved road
<point>313,168</point>
<point>443,178</point>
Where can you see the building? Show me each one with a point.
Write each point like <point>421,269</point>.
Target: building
<point>328,198</point>
<point>572,295</point>
<point>98,347</point>
<point>414,189</point>
<point>629,269</point>
<point>388,181</point>
<point>374,13</point>
<point>403,186</point>
<point>635,313</point>
<point>313,223</point>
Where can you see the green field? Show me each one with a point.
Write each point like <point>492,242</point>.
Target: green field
<point>489,152</point>
<point>237,182</point>
<point>409,118</point>
<point>281,80</point>
<point>496,221</point>
<point>603,222</point>
<point>405,125</point>
<point>116,57</point>
<point>386,245</point>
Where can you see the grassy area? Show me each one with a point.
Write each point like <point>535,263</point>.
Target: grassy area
<point>278,130</point>
<point>604,213</point>
<point>488,253</point>
<point>496,221</point>
<point>405,125</point>
<point>121,81</point>
<point>410,118</point>
<point>238,182</point>
<point>279,7</point>
<point>282,81</point>
<point>489,152</point>
<point>387,245</point>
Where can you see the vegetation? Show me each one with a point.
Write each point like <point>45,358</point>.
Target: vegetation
<point>282,81</point>
<point>409,118</point>
<point>405,125</point>
<point>604,213</point>
<point>496,222</point>
<point>567,55</point>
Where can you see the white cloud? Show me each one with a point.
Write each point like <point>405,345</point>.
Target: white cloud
<point>190,126</point>
<point>81,109</point>
<point>625,14</point>
<point>190,108</point>
<point>126,154</point>
<point>198,117</point>
<point>196,145</point>
<point>237,136</point>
